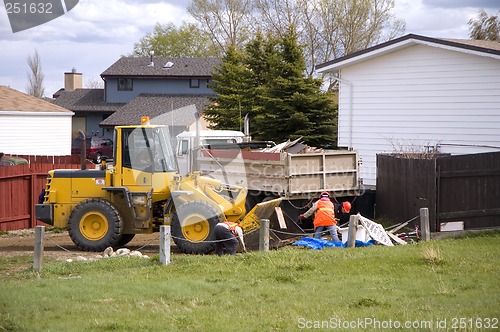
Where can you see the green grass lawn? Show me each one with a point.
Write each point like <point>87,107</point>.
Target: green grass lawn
<point>436,285</point>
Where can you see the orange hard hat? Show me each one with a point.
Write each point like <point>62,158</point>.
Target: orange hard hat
<point>325,194</point>
<point>346,206</point>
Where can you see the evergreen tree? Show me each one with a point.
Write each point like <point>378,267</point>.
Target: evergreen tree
<point>268,81</point>
<point>230,83</point>
<point>292,104</point>
<point>258,58</point>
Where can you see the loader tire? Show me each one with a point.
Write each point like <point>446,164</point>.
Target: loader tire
<point>193,227</point>
<point>126,238</point>
<point>94,225</point>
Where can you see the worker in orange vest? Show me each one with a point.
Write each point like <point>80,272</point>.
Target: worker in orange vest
<point>324,217</point>
<point>227,235</point>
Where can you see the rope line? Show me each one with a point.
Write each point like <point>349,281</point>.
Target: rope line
<point>206,241</point>
<point>297,234</point>
<point>49,238</point>
<point>58,245</point>
<point>413,218</point>
<point>298,207</point>
<point>403,223</point>
<point>148,244</point>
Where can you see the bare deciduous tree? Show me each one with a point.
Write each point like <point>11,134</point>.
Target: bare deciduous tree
<point>94,83</point>
<point>226,22</point>
<point>326,29</point>
<point>331,28</point>
<point>35,76</point>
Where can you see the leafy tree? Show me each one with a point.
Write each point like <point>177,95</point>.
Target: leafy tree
<point>485,27</point>
<point>167,40</point>
<point>35,76</point>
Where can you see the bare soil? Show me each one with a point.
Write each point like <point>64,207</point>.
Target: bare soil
<point>60,247</point>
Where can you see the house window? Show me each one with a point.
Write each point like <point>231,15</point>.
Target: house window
<point>194,83</point>
<point>125,84</point>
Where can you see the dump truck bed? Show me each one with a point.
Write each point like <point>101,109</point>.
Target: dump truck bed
<point>291,176</point>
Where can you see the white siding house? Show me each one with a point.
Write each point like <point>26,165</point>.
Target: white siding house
<point>32,126</point>
<point>418,93</point>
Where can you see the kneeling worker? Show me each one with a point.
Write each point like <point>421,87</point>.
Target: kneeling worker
<point>227,235</point>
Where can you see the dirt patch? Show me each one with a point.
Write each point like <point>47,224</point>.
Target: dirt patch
<point>60,247</point>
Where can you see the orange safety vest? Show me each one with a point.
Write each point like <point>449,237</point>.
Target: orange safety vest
<point>232,226</point>
<point>325,214</point>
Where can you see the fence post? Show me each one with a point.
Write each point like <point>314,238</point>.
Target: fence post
<point>164,245</point>
<point>38,259</point>
<point>424,224</point>
<point>264,235</point>
<point>351,233</point>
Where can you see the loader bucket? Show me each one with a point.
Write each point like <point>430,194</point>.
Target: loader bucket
<point>260,211</point>
<point>281,232</point>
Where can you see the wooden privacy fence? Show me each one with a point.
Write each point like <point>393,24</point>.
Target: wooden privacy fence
<point>454,188</point>
<point>20,187</point>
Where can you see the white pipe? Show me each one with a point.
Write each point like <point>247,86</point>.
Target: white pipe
<point>350,106</point>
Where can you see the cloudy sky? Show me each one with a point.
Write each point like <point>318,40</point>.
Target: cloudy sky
<point>95,33</point>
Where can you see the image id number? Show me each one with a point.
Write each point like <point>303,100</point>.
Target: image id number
<point>29,8</point>
<point>474,323</point>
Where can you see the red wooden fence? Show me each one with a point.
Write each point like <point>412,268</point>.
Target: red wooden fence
<point>20,187</point>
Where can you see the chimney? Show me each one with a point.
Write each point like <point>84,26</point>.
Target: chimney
<point>151,59</point>
<point>72,80</point>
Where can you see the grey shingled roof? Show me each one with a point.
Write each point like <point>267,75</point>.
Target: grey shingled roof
<point>91,100</point>
<point>178,110</point>
<point>182,67</point>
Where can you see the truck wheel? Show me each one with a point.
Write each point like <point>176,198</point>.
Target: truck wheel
<point>94,225</point>
<point>193,224</point>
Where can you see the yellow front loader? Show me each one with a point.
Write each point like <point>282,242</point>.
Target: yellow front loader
<point>140,191</point>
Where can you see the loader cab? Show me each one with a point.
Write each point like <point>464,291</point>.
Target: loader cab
<point>144,158</point>
<point>147,149</point>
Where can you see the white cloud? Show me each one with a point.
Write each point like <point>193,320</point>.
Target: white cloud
<point>485,4</point>
<point>433,19</point>
<point>90,37</point>
<point>95,33</point>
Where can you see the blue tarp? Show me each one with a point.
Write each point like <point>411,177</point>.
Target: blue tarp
<point>319,244</point>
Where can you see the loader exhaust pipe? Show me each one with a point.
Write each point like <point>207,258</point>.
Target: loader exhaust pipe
<point>83,151</point>
<point>196,147</point>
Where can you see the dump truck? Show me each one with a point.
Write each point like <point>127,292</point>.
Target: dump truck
<point>140,191</point>
<point>289,170</point>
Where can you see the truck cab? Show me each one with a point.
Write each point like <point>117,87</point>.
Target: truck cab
<point>186,146</point>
